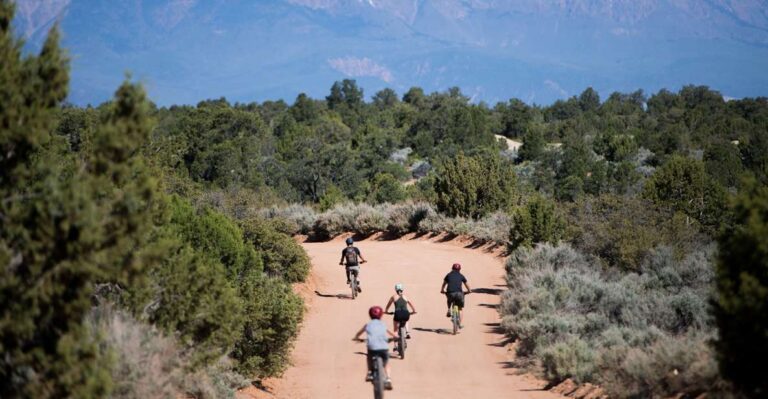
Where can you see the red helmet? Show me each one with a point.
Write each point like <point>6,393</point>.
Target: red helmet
<point>375,312</point>
<point>456,267</point>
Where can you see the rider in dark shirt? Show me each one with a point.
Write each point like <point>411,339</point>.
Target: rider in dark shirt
<point>349,258</point>
<point>454,293</point>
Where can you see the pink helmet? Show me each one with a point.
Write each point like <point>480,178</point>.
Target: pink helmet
<point>375,312</point>
<point>456,266</point>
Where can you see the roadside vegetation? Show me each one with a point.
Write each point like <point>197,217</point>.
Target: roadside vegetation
<point>147,251</point>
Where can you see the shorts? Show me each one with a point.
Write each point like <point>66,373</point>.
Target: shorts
<point>384,354</point>
<point>455,297</point>
<point>402,315</point>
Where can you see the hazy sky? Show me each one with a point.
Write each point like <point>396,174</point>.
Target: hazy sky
<point>185,51</point>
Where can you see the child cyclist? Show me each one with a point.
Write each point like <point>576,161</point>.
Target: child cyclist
<point>378,342</point>
<point>402,315</point>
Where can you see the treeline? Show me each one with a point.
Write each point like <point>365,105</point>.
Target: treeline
<point>112,284</point>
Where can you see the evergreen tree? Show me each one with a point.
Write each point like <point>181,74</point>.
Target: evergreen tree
<point>741,307</point>
<point>65,224</point>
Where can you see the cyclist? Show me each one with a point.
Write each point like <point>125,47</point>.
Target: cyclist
<point>349,257</point>
<point>401,309</point>
<point>378,343</point>
<point>454,294</point>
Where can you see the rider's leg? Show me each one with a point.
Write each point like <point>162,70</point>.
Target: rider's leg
<point>347,271</point>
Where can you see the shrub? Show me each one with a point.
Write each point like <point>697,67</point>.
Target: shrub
<point>538,221</point>
<point>146,364</point>
<point>299,219</point>
<point>683,185</point>
<point>583,322</point>
<point>190,295</point>
<point>742,292</point>
<point>572,358</point>
<point>272,316</point>
<point>280,254</point>
<point>386,188</point>
<point>621,230</point>
<point>473,187</point>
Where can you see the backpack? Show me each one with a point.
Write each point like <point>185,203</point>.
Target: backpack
<point>350,255</point>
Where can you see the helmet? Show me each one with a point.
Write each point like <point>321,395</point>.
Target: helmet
<point>350,241</point>
<point>398,287</point>
<point>456,267</point>
<point>375,312</point>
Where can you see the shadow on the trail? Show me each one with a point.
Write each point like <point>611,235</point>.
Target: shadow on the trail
<point>337,296</point>
<point>433,330</point>
<point>489,291</point>
<point>489,305</point>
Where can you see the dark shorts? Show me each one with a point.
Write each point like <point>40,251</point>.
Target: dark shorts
<point>384,354</point>
<point>402,315</point>
<point>455,297</point>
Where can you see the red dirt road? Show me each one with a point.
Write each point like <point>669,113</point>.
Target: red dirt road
<point>472,364</point>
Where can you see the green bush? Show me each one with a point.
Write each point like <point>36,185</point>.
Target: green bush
<point>215,235</point>
<point>683,185</point>
<point>473,187</point>
<point>536,222</point>
<point>272,316</point>
<point>623,230</point>
<point>386,188</point>
<point>280,254</point>
<point>742,292</point>
<point>191,296</point>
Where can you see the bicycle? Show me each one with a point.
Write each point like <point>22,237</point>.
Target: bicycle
<point>378,376</point>
<point>354,284</point>
<point>456,316</point>
<point>402,342</point>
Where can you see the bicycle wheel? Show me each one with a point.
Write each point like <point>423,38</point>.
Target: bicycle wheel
<point>353,285</point>
<point>455,318</point>
<point>401,343</point>
<point>378,378</point>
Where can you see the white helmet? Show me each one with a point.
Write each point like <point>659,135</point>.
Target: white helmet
<point>398,287</point>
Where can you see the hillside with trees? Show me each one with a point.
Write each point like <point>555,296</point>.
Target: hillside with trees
<point>132,234</point>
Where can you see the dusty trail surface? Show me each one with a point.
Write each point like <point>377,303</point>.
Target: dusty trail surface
<point>472,364</point>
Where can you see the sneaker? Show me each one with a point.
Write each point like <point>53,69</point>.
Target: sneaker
<point>408,336</point>
<point>348,281</point>
<point>448,314</point>
<point>388,384</point>
<point>359,289</point>
<point>369,377</point>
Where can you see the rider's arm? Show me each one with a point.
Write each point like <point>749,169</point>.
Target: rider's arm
<point>413,309</point>
<point>361,256</point>
<point>341,261</point>
<point>467,285</point>
<point>359,333</point>
<point>442,289</point>
<point>391,300</point>
<point>391,334</point>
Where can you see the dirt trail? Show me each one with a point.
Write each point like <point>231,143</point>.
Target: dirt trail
<point>474,363</point>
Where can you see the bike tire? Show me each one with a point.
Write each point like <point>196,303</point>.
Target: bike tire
<point>455,319</point>
<point>353,285</point>
<point>378,378</point>
<point>401,343</point>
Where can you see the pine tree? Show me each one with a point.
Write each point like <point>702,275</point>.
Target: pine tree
<point>66,224</point>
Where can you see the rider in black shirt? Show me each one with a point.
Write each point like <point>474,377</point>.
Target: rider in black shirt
<point>454,294</point>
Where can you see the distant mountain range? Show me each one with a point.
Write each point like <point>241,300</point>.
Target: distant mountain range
<point>189,50</point>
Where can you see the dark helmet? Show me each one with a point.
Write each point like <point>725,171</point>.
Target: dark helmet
<point>375,312</point>
<point>456,267</point>
<point>350,241</point>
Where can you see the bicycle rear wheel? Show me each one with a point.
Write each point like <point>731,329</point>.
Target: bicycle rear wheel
<point>401,342</point>
<point>353,285</point>
<point>378,378</point>
<point>455,318</point>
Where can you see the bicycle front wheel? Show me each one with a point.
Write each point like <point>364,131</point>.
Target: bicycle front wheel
<point>378,379</point>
